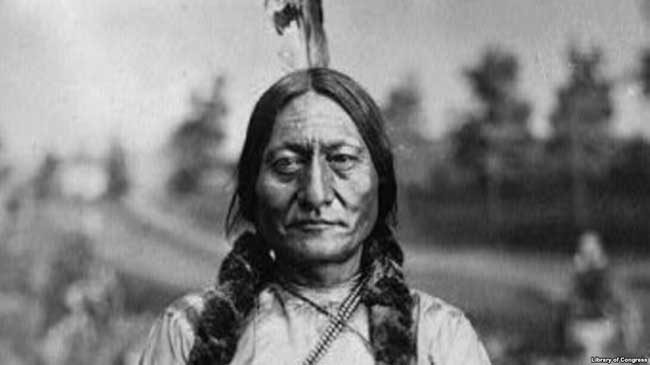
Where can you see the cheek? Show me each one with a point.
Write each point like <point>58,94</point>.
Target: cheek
<point>368,209</point>
<point>273,197</point>
<point>361,196</point>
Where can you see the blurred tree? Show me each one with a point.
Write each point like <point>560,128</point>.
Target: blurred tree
<point>405,117</point>
<point>645,8</point>
<point>581,141</point>
<point>5,168</point>
<point>492,141</point>
<point>630,170</point>
<point>118,175</point>
<point>645,71</point>
<point>645,55</point>
<point>45,179</point>
<point>196,142</point>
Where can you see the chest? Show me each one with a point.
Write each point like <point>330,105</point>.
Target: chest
<point>287,336</point>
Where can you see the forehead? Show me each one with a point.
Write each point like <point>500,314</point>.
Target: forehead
<point>314,117</point>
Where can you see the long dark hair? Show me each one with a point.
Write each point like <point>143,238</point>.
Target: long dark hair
<point>245,271</point>
<point>363,111</point>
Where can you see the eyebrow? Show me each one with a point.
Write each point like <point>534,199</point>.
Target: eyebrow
<point>337,145</point>
<point>307,148</point>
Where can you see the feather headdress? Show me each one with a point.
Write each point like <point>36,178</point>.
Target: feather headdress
<point>300,22</point>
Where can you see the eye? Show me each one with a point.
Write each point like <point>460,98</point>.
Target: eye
<point>286,165</point>
<point>342,161</point>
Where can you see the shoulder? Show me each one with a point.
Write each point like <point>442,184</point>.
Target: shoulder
<point>437,321</point>
<point>183,314</point>
<point>188,308</point>
<point>172,336</point>
<point>444,332</point>
<point>431,308</point>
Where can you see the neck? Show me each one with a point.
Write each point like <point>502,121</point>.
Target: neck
<point>320,274</point>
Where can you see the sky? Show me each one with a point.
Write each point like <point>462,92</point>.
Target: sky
<point>75,74</point>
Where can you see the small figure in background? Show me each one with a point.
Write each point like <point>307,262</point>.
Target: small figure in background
<point>86,334</point>
<point>599,319</point>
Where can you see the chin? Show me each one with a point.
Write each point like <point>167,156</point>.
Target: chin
<point>322,249</point>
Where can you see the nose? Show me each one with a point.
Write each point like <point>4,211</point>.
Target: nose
<point>316,190</point>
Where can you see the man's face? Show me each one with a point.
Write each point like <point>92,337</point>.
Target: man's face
<point>317,190</point>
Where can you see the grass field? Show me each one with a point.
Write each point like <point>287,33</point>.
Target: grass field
<point>510,297</point>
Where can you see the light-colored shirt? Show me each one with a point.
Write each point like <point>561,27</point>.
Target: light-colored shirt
<point>283,329</point>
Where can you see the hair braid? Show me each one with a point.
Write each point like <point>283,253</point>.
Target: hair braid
<point>243,273</point>
<point>389,300</point>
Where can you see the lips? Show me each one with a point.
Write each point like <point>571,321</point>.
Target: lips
<point>314,224</point>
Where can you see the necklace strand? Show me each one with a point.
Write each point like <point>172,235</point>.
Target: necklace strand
<point>331,316</point>
<point>337,321</point>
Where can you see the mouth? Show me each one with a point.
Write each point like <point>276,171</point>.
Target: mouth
<point>314,224</point>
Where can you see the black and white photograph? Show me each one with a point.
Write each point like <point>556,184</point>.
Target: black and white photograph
<point>302,182</point>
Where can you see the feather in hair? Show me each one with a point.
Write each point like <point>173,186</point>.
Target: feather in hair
<point>300,22</point>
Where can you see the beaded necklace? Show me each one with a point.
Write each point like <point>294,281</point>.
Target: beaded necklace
<point>337,320</point>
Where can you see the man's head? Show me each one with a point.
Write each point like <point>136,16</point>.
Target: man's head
<point>316,163</point>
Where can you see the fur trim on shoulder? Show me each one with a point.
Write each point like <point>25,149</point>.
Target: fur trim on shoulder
<point>390,307</point>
